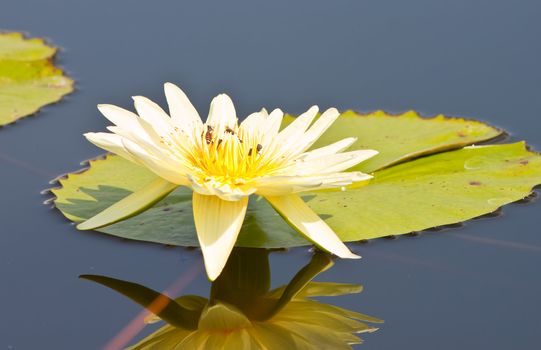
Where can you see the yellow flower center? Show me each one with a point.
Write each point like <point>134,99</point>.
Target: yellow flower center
<point>231,155</point>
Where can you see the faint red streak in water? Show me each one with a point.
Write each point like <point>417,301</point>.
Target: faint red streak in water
<point>499,243</point>
<point>137,324</point>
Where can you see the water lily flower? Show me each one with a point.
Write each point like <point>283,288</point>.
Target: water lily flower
<point>302,324</point>
<point>225,162</point>
<point>242,312</point>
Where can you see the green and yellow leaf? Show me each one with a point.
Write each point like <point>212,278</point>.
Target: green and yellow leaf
<point>28,78</point>
<point>405,136</point>
<point>449,184</point>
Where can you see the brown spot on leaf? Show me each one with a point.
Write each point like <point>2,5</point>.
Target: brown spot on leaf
<point>475,183</point>
<point>524,162</point>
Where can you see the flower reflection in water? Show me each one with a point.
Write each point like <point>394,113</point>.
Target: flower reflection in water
<point>242,311</point>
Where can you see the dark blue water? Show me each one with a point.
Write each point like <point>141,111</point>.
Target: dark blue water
<point>474,287</point>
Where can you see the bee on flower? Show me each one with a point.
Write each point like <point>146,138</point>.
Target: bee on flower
<point>225,162</point>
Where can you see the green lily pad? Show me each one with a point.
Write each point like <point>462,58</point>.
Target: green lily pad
<point>438,189</point>
<point>405,136</point>
<point>28,78</point>
<point>170,221</point>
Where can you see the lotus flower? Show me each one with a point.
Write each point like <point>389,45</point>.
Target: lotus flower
<point>302,324</point>
<point>243,313</point>
<point>225,162</point>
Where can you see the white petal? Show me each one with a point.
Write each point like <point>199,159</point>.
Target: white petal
<point>153,115</point>
<point>285,141</point>
<point>316,130</point>
<point>284,185</point>
<point>263,126</point>
<point>274,121</point>
<point>333,148</point>
<point>303,219</point>
<point>272,126</point>
<point>229,193</point>
<point>222,112</point>
<point>327,164</point>
<point>118,116</point>
<point>128,122</point>
<point>111,143</point>
<point>183,113</point>
<point>172,172</point>
<point>299,125</point>
<point>254,122</point>
<point>218,223</point>
<point>199,187</point>
<point>222,191</point>
<point>149,141</point>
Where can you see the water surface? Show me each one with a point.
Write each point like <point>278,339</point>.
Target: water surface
<point>473,287</point>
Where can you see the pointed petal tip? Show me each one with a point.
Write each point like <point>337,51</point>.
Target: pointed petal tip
<point>136,98</point>
<point>277,112</point>
<point>350,255</point>
<point>168,86</point>
<point>222,110</point>
<point>212,274</point>
<point>94,136</point>
<point>313,108</point>
<point>371,153</point>
<point>332,111</point>
<point>222,95</point>
<point>363,154</point>
<point>84,226</point>
<point>131,205</point>
<point>104,108</point>
<point>360,176</point>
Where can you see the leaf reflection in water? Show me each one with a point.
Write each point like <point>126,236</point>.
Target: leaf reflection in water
<point>242,311</point>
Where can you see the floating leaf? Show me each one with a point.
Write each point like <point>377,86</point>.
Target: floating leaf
<point>442,189</point>
<point>402,137</point>
<point>28,78</point>
<point>170,221</point>
<point>438,189</point>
